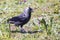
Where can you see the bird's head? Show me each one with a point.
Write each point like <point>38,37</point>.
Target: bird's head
<point>28,10</point>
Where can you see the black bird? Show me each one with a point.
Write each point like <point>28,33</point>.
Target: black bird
<point>21,19</point>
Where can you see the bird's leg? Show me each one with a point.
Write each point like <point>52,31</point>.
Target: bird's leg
<point>21,29</point>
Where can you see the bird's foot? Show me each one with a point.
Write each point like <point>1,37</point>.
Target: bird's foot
<point>22,31</point>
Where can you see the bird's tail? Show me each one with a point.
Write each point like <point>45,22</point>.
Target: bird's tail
<point>8,20</point>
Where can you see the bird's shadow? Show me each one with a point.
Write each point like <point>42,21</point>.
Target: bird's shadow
<point>30,32</point>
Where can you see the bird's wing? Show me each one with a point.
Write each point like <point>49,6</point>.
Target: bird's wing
<point>18,18</point>
<point>22,17</point>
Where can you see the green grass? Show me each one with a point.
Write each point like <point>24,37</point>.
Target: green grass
<point>49,11</point>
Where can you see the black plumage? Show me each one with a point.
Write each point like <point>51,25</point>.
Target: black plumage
<point>21,19</point>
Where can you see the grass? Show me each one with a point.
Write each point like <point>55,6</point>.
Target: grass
<point>46,17</point>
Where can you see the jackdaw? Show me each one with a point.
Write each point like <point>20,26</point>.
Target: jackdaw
<point>21,19</point>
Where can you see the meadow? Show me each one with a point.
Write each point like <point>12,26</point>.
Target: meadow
<point>46,17</point>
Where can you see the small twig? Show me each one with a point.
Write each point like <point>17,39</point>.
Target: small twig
<point>9,31</point>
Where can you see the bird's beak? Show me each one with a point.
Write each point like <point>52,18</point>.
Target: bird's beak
<point>32,10</point>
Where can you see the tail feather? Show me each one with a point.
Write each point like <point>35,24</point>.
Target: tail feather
<point>9,21</point>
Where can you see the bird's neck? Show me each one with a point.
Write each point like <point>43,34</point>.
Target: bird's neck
<point>27,14</point>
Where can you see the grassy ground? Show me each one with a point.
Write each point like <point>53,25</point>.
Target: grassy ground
<point>46,17</point>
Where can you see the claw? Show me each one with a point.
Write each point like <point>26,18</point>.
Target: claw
<point>22,31</point>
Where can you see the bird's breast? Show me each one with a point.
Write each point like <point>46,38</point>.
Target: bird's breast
<point>27,19</point>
